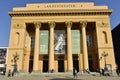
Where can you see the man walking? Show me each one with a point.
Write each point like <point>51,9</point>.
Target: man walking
<point>75,73</point>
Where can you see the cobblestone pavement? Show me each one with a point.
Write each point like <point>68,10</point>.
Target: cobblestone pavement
<point>58,76</point>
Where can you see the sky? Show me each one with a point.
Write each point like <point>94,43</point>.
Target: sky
<point>8,5</point>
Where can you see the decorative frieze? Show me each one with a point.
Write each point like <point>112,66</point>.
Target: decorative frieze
<point>61,13</point>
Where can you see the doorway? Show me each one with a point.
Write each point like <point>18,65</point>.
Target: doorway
<point>30,66</point>
<point>45,65</point>
<point>76,64</point>
<point>60,65</point>
<point>90,64</point>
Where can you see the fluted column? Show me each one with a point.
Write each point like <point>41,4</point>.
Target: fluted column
<point>51,47</point>
<point>36,48</point>
<point>84,43</point>
<point>69,47</point>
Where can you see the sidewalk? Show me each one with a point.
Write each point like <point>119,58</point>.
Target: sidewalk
<point>58,76</point>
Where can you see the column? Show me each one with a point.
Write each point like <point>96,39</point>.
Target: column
<point>69,47</point>
<point>51,47</point>
<point>84,43</point>
<point>36,48</point>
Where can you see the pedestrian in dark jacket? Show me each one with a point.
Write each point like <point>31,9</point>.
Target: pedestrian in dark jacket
<point>9,73</point>
<point>117,71</point>
<point>75,73</point>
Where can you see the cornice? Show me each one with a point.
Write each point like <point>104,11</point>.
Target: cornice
<point>60,12</point>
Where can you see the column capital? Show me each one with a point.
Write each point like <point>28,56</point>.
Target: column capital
<point>83,23</point>
<point>37,24</point>
<point>68,23</point>
<point>52,24</point>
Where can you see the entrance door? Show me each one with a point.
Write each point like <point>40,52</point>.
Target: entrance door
<point>45,65</point>
<point>60,65</point>
<point>76,64</point>
<point>30,66</point>
<point>90,65</point>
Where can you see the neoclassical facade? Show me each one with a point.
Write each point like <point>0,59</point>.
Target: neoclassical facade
<point>60,37</point>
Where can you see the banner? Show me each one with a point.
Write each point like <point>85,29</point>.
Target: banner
<point>59,41</point>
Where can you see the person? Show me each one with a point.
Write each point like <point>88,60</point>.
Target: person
<point>75,73</point>
<point>117,71</point>
<point>4,71</point>
<point>52,71</point>
<point>9,73</point>
<point>103,72</point>
<point>100,72</point>
<point>12,73</point>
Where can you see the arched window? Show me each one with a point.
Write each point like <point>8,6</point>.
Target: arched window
<point>17,37</point>
<point>105,37</point>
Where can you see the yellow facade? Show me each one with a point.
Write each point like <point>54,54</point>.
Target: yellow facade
<point>91,22</point>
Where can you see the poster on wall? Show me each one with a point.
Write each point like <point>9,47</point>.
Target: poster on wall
<point>59,42</point>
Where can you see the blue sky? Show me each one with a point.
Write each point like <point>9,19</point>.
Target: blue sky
<point>7,5</point>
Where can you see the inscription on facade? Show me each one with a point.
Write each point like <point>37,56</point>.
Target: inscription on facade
<point>60,6</point>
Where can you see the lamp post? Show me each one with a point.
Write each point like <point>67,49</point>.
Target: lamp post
<point>104,54</point>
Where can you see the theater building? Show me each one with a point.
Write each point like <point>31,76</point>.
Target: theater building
<point>60,37</point>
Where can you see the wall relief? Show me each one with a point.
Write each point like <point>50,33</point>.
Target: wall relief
<point>102,24</point>
<point>18,26</point>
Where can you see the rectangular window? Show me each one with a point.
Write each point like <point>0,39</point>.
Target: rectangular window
<point>44,41</point>
<point>32,41</point>
<point>76,42</point>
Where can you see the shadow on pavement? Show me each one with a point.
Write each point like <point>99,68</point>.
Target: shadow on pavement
<point>64,79</point>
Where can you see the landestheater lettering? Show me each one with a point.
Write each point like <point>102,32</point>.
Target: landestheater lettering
<point>60,6</point>
<point>59,37</point>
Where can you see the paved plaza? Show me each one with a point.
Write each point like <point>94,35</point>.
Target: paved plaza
<point>58,76</point>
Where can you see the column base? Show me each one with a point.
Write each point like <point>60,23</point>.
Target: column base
<point>51,71</point>
<point>69,70</point>
<point>23,72</point>
<point>36,72</point>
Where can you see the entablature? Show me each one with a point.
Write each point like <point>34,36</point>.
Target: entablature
<point>60,12</point>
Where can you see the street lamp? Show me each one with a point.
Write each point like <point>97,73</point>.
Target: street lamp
<point>104,54</point>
